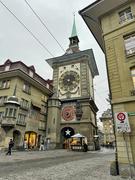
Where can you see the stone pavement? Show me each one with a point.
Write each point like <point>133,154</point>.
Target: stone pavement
<point>57,165</point>
<point>19,156</point>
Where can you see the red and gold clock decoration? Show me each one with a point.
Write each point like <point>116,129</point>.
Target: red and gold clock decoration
<point>68,113</point>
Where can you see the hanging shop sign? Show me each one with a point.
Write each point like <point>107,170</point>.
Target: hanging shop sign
<point>122,122</point>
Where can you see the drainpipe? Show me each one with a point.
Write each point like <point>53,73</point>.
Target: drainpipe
<point>103,42</point>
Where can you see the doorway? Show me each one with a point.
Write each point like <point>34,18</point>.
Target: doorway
<point>16,139</point>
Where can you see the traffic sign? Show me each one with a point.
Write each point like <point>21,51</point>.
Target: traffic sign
<point>122,122</point>
<point>131,114</point>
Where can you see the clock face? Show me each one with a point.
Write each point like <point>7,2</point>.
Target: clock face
<point>68,113</point>
<point>69,80</point>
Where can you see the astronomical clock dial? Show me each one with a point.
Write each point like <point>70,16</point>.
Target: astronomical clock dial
<point>69,80</point>
<point>68,113</point>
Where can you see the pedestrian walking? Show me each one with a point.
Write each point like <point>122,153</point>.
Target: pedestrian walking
<point>25,144</point>
<point>42,146</point>
<point>11,144</point>
<point>85,147</point>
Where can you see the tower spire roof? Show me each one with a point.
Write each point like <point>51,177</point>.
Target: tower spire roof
<point>73,45</point>
<point>74,32</point>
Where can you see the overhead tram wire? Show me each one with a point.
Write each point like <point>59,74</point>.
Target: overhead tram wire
<point>51,33</point>
<point>43,24</point>
<point>100,96</point>
<point>48,30</point>
<point>27,28</point>
<point>34,35</point>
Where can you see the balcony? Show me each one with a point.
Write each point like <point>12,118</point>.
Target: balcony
<point>8,122</point>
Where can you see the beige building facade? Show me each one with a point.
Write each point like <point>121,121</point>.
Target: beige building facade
<point>23,105</point>
<point>108,132</point>
<point>113,26</point>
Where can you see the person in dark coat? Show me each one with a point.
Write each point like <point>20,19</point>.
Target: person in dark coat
<point>11,144</point>
<point>85,147</point>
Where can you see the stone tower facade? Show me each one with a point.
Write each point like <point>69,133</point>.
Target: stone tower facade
<point>72,105</point>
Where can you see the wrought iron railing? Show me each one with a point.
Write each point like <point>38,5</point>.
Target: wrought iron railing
<point>126,18</point>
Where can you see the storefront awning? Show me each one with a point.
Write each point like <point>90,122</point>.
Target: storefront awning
<point>78,136</point>
<point>36,105</point>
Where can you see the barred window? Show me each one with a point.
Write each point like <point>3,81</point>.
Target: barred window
<point>125,16</point>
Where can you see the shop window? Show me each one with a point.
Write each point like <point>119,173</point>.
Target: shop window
<point>1,115</point>
<point>31,138</point>
<point>125,16</point>
<point>5,84</point>
<point>27,88</point>
<point>130,44</point>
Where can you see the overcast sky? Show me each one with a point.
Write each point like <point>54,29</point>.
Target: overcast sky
<point>17,44</point>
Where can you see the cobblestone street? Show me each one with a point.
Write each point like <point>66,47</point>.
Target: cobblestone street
<point>57,165</point>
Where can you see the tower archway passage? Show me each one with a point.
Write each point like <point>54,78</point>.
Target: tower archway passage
<point>66,133</point>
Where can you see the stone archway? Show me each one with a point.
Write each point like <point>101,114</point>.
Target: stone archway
<point>16,139</point>
<point>66,133</point>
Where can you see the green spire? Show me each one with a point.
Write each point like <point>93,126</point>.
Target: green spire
<point>74,32</point>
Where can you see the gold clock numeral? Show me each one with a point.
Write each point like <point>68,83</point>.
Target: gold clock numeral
<point>74,82</point>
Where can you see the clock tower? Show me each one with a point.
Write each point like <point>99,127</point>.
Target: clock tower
<point>72,105</point>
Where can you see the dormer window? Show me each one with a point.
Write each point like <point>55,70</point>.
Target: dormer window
<point>125,16</point>
<point>47,85</point>
<point>7,67</point>
<point>31,73</point>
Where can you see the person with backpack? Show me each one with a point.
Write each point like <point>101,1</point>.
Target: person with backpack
<point>11,144</point>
